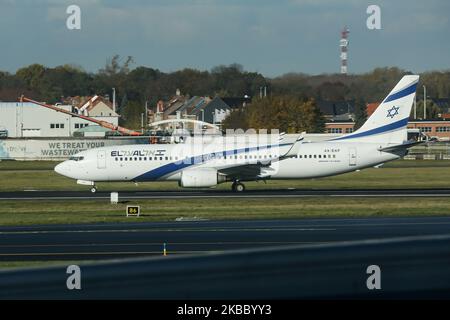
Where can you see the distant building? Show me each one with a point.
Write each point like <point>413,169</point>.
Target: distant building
<point>433,128</point>
<point>205,109</point>
<point>438,128</point>
<point>31,120</point>
<point>193,105</point>
<point>371,107</point>
<point>170,107</point>
<point>99,108</point>
<point>339,127</point>
<point>213,112</point>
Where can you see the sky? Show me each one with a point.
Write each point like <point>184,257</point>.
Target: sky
<point>270,37</point>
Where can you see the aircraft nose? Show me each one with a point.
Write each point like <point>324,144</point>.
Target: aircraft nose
<point>62,168</point>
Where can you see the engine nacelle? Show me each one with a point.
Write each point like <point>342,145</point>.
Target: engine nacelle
<point>200,178</point>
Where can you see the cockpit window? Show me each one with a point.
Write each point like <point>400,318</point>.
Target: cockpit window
<point>76,158</point>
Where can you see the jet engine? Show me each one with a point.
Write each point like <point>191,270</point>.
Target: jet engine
<point>200,178</point>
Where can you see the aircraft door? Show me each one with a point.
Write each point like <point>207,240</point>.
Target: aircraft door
<point>101,159</point>
<point>352,157</point>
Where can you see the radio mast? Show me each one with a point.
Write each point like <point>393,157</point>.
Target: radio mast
<point>344,49</point>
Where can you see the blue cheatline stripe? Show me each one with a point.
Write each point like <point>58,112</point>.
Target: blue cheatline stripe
<point>379,130</point>
<point>402,93</point>
<point>184,163</point>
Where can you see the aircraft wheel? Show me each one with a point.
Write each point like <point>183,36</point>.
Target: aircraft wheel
<point>239,187</point>
<point>94,189</point>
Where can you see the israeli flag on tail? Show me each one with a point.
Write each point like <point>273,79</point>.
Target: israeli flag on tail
<point>388,123</point>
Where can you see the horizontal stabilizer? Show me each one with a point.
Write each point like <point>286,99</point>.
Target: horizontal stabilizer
<point>403,146</point>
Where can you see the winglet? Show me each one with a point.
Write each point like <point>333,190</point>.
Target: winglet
<point>293,150</point>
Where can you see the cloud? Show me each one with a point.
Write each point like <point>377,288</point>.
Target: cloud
<point>269,36</point>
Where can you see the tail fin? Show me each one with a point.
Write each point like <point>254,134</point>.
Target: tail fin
<point>388,123</point>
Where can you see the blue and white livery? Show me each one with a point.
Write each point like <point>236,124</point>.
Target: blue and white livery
<point>210,161</point>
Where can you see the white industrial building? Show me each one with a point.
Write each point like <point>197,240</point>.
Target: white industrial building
<point>25,119</point>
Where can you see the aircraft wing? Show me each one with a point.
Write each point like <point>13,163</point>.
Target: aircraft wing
<point>262,169</point>
<point>243,172</point>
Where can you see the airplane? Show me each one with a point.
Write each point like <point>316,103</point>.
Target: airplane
<point>200,164</point>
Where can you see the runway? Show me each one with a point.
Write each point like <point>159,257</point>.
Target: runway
<point>126,240</point>
<point>408,267</point>
<point>212,193</point>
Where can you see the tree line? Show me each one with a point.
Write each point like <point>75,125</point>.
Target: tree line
<point>293,92</point>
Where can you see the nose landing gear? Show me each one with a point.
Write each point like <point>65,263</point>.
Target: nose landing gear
<point>88,183</point>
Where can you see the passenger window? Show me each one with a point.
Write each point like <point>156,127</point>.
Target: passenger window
<point>160,158</point>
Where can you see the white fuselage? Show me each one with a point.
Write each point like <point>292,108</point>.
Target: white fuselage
<point>207,162</point>
<point>167,162</point>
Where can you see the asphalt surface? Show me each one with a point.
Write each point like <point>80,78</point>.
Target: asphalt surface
<point>211,193</point>
<point>127,240</point>
<point>407,267</point>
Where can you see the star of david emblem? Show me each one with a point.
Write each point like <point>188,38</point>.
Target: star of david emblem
<point>392,112</point>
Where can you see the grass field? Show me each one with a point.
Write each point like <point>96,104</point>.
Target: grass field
<point>39,175</point>
<point>60,212</point>
<point>16,175</point>
<point>31,264</point>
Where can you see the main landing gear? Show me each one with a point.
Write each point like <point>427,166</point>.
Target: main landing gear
<point>94,189</point>
<point>237,187</point>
